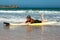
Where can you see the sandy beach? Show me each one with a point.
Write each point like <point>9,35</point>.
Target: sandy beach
<point>29,32</point>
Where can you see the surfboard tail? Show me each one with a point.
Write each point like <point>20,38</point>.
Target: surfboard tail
<point>7,24</point>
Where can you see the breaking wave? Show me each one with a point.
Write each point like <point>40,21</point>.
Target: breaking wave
<point>20,15</point>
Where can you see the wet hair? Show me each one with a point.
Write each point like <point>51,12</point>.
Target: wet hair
<point>28,16</point>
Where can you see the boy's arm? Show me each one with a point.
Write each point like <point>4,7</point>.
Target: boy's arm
<point>26,22</point>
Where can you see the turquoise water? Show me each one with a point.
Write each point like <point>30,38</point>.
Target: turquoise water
<point>56,9</point>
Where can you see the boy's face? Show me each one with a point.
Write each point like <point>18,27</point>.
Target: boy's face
<point>28,19</point>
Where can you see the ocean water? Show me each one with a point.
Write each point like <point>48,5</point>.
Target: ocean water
<point>20,15</point>
<point>49,32</point>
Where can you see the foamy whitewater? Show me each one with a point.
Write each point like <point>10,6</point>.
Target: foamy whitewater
<point>20,15</point>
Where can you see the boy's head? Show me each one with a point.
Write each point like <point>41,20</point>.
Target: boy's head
<point>28,18</point>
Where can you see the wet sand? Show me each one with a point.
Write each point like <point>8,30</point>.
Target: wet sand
<point>29,32</point>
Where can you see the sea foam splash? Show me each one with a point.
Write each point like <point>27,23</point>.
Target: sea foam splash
<point>29,11</point>
<point>20,15</point>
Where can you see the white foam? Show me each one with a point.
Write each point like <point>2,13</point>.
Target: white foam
<point>19,19</point>
<point>57,23</point>
<point>12,20</point>
<point>49,12</point>
<point>9,11</point>
<point>30,11</point>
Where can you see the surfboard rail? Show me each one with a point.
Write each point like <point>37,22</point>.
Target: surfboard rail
<point>33,24</point>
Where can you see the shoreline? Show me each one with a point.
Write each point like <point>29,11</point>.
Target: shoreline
<point>29,33</point>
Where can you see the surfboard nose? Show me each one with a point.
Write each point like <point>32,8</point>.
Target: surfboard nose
<point>7,24</point>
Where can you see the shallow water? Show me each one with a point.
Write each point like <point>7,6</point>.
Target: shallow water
<point>29,32</point>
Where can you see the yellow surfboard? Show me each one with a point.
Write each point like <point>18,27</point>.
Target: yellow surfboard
<point>34,24</point>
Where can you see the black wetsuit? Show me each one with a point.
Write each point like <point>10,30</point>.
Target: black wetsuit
<point>37,21</point>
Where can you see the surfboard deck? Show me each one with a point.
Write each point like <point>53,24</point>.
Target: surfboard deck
<point>33,24</point>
